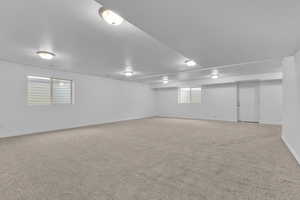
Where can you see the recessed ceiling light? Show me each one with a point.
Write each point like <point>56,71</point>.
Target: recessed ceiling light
<point>110,17</point>
<point>46,55</point>
<point>190,63</point>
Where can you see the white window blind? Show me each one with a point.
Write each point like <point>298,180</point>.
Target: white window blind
<point>195,95</point>
<point>46,91</point>
<point>189,95</point>
<point>184,95</point>
<point>39,90</point>
<point>61,91</point>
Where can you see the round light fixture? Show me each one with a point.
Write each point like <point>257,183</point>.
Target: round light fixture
<point>190,63</point>
<point>46,55</point>
<point>110,17</point>
<point>165,80</point>
<point>128,73</point>
<point>214,74</point>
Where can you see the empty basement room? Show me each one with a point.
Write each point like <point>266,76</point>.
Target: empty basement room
<point>150,100</point>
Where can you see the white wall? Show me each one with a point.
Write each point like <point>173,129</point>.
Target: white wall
<point>100,100</point>
<point>97,100</point>
<point>270,102</point>
<point>218,103</point>
<point>291,104</point>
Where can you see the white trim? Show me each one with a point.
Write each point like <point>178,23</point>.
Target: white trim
<point>16,133</point>
<point>210,68</point>
<point>296,156</point>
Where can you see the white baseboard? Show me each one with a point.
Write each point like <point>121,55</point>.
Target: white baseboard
<point>194,118</point>
<point>270,122</point>
<point>23,133</point>
<point>296,156</point>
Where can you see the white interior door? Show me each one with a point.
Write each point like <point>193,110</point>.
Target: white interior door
<point>248,105</point>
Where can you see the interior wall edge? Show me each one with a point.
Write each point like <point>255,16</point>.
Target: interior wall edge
<point>290,148</point>
<point>97,100</point>
<point>73,127</point>
<point>193,118</point>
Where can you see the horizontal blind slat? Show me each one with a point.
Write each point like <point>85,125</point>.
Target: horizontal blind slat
<point>39,91</point>
<point>62,91</point>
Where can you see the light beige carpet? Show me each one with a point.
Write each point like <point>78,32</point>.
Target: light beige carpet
<point>150,159</point>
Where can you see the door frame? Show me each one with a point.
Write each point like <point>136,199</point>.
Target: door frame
<point>238,103</point>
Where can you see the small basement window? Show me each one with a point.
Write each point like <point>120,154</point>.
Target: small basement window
<point>189,95</point>
<point>47,91</point>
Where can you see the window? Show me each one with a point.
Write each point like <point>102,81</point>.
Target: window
<point>196,95</point>
<point>46,91</point>
<point>184,95</point>
<point>61,91</point>
<point>189,95</point>
<point>39,90</point>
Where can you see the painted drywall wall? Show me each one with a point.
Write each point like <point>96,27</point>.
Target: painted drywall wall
<point>270,102</point>
<point>291,104</point>
<point>97,100</point>
<point>218,103</point>
<point>221,80</point>
<point>100,100</point>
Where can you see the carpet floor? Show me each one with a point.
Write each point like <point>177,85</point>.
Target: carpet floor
<point>150,159</point>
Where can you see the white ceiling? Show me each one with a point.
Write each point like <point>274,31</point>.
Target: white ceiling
<point>82,41</point>
<point>270,67</point>
<point>214,33</point>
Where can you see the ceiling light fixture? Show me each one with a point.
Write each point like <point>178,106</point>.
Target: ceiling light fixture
<point>190,63</point>
<point>46,55</point>
<point>165,80</point>
<point>214,74</point>
<point>128,73</point>
<point>110,17</point>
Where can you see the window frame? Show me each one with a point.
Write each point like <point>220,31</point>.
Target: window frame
<point>190,99</point>
<point>71,92</point>
<point>51,78</point>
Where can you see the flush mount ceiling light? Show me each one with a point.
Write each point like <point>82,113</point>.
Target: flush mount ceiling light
<point>165,80</point>
<point>190,63</point>
<point>128,73</point>
<point>214,74</point>
<point>46,55</point>
<point>110,17</point>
